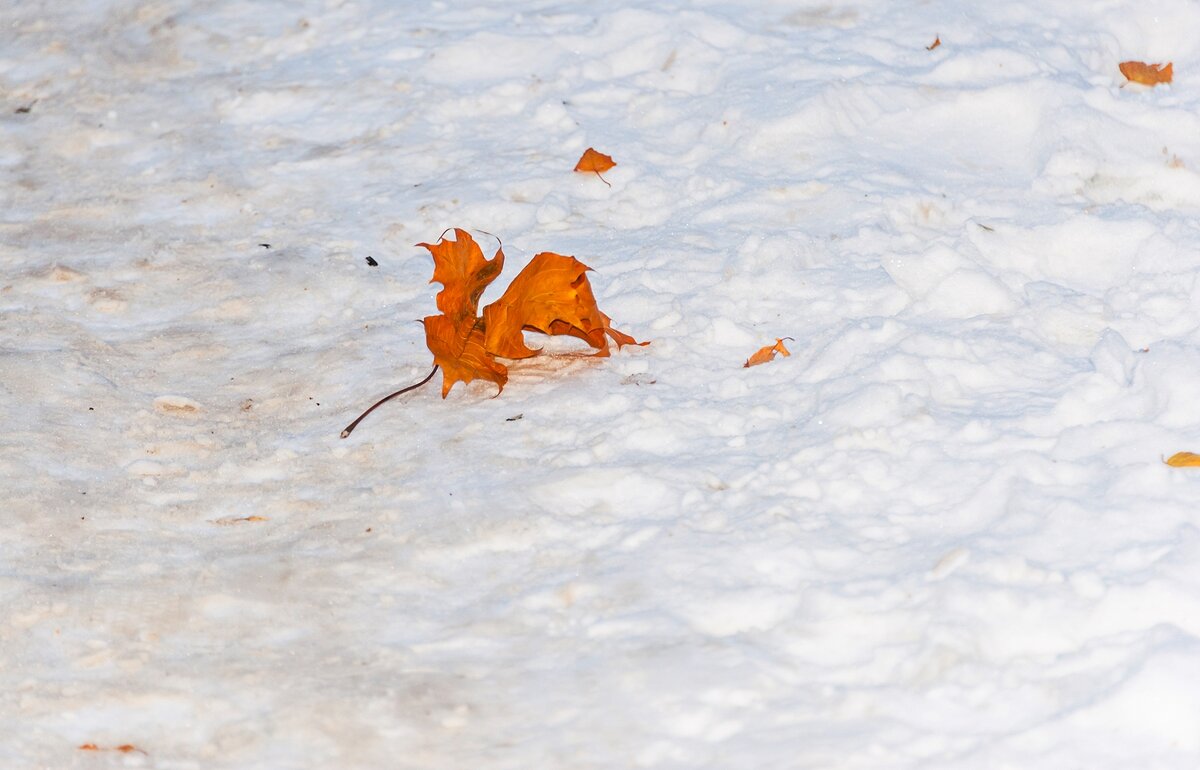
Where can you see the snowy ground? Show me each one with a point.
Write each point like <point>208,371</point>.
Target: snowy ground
<point>938,536</point>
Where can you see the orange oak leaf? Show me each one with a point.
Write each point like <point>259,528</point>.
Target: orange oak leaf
<point>551,295</point>
<point>1146,74</point>
<point>766,354</point>
<point>937,40</point>
<point>1183,460</point>
<point>595,162</point>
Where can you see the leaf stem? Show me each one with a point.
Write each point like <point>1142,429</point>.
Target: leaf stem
<point>350,428</point>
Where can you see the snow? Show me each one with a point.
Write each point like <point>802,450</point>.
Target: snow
<point>939,535</point>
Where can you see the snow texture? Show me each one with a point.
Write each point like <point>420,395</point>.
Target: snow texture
<point>938,536</point>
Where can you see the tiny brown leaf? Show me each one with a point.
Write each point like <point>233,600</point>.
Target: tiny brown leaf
<point>1183,460</point>
<point>1146,74</point>
<point>229,521</point>
<point>124,748</point>
<point>592,162</point>
<point>766,354</point>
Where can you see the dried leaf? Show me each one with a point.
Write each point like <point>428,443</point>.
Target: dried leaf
<point>461,354</point>
<point>454,337</point>
<point>1183,460</point>
<point>229,521</point>
<point>125,748</point>
<point>937,40</point>
<point>551,295</point>
<point>768,353</point>
<point>459,266</point>
<point>1146,74</point>
<point>594,161</point>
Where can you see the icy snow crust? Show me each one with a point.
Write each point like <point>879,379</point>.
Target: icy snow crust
<point>938,536</point>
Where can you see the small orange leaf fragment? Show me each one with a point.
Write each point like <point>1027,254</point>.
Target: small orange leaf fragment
<point>125,748</point>
<point>595,162</point>
<point>768,353</point>
<point>936,42</point>
<point>1146,74</point>
<point>228,521</point>
<point>1183,460</point>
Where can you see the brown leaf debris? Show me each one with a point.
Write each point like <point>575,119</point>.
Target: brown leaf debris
<point>1146,74</point>
<point>766,354</point>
